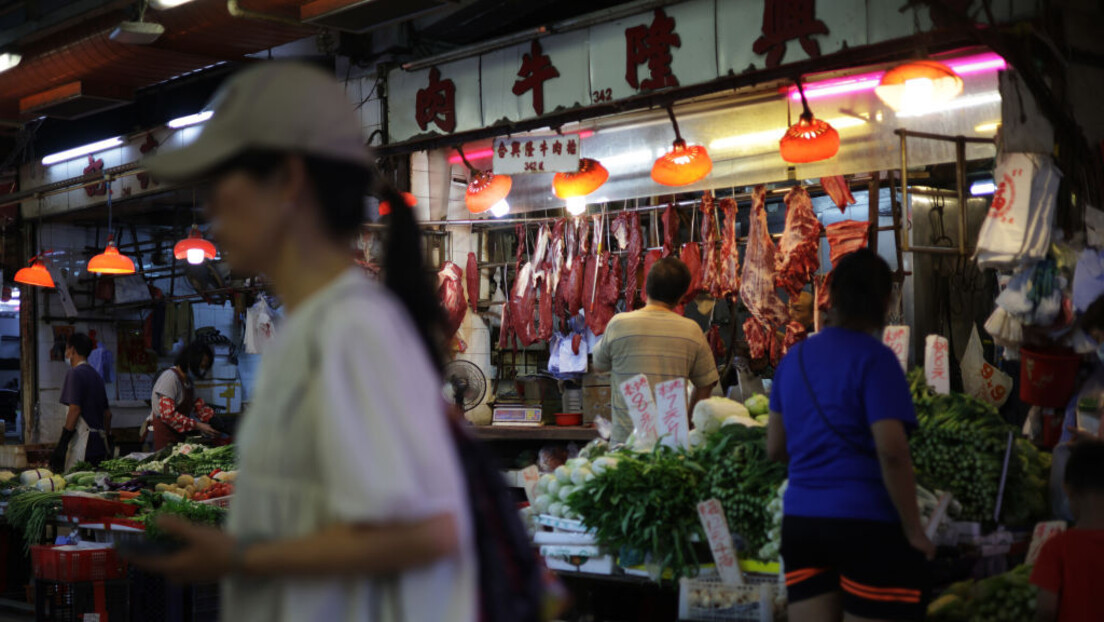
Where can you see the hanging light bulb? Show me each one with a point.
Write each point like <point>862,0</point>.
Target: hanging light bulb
<point>918,85</point>
<point>683,165</point>
<point>590,177</point>
<point>385,206</point>
<point>35,274</point>
<point>486,191</point>
<point>111,261</point>
<point>194,248</point>
<point>810,139</point>
<point>576,205</point>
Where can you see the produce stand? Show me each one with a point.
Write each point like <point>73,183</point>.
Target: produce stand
<point>534,433</point>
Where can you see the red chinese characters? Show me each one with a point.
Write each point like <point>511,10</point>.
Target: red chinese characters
<point>652,44</point>
<point>786,20</point>
<point>638,396</point>
<point>939,370</point>
<point>95,166</point>
<point>536,69</point>
<point>436,103</point>
<point>148,146</point>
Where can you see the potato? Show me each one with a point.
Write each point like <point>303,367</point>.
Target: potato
<point>184,480</point>
<point>162,488</point>
<point>190,490</point>
<point>204,483</point>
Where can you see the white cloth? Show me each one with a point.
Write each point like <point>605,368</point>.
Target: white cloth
<point>347,426</point>
<point>78,446</point>
<point>260,326</point>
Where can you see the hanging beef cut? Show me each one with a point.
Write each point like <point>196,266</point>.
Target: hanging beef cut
<point>450,290</point>
<point>691,256</point>
<point>619,228</point>
<point>799,248</point>
<point>711,270</point>
<point>757,290</point>
<point>728,257</point>
<point>523,305</point>
<point>584,238</point>
<point>544,309</point>
<point>840,191</point>
<point>846,237</point>
<point>604,304</point>
<point>633,258</point>
<point>670,230</point>
<point>650,258</point>
<point>557,267</point>
<point>473,282</point>
<point>795,333</point>
<point>716,344</point>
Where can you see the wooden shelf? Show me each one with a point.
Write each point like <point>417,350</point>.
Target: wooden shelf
<point>522,433</point>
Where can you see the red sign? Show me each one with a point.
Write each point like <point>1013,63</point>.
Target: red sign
<point>786,20</point>
<point>536,69</point>
<point>95,166</point>
<point>436,103</point>
<point>652,44</point>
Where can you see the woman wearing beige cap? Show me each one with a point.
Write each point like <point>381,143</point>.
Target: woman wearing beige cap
<point>350,503</point>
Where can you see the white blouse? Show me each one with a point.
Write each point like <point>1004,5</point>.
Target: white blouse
<point>348,427</point>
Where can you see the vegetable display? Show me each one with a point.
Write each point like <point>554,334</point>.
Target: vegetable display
<point>29,510</point>
<point>1008,596</point>
<point>960,447</point>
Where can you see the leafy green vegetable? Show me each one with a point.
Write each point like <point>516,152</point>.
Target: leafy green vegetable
<point>29,510</point>
<point>193,512</point>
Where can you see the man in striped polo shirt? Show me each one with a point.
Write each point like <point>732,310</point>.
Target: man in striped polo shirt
<point>657,342</point>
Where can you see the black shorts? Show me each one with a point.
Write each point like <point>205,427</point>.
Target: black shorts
<point>869,562</point>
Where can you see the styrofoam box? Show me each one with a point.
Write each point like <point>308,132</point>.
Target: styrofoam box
<point>593,560</point>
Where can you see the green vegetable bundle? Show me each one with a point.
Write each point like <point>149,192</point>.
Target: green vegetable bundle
<point>1008,596</point>
<point>201,513</point>
<point>119,466</point>
<point>201,462</point>
<point>29,511</point>
<point>960,447</point>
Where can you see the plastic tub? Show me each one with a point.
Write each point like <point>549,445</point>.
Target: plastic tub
<point>1047,379</point>
<point>569,419</point>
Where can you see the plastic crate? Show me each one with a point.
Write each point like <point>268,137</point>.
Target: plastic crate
<point>219,502</point>
<point>71,602</point>
<point>86,509</point>
<point>68,565</point>
<point>113,530</point>
<point>710,600</point>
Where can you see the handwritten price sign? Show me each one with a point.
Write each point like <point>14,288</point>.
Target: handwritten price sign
<point>674,427</point>
<point>897,338</point>
<point>642,409</point>
<point>995,385</point>
<point>530,475</point>
<point>936,364</point>
<point>720,541</point>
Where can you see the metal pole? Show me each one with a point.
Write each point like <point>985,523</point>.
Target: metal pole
<point>960,180</point>
<point>905,224</point>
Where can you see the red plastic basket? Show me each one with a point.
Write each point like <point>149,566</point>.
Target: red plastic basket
<point>1048,378</point>
<point>69,566</point>
<point>90,508</point>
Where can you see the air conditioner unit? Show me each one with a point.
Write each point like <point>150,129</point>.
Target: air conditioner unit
<point>359,16</point>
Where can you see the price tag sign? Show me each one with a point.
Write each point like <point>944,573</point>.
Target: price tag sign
<point>642,408</point>
<point>936,364</point>
<point>674,427</point>
<point>550,154</point>
<point>720,541</point>
<point>897,338</point>
<point>1043,532</point>
<point>530,475</point>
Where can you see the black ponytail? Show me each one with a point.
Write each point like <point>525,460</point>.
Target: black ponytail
<point>405,271</point>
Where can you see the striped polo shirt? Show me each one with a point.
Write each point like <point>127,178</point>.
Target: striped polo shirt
<point>660,344</point>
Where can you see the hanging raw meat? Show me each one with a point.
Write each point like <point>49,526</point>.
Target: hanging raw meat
<point>608,290</point>
<point>571,245</point>
<point>584,238</point>
<point>799,248</point>
<point>650,258</point>
<point>450,290</point>
<point>716,344</point>
<point>473,282</point>
<point>846,237</point>
<point>573,285</point>
<point>670,230</point>
<point>795,333</point>
<point>840,191</point>
<point>757,290</point>
<point>824,286</point>
<point>728,258</point>
<point>633,259</point>
<point>544,330</point>
<point>691,256</point>
<point>557,267</point>
<point>711,270</point>
<point>523,303</point>
<point>619,228</point>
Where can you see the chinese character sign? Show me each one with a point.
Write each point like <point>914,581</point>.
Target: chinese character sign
<point>536,69</point>
<point>720,541</point>
<point>652,45</point>
<point>786,20</point>
<point>897,338</point>
<point>937,364</point>
<point>674,426</point>
<point>548,154</point>
<point>642,409</point>
<point>436,103</point>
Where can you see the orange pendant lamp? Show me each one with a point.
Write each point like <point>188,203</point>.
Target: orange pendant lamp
<point>919,85</point>
<point>194,248</point>
<point>35,274</point>
<point>110,261</point>
<point>487,191</point>
<point>576,185</point>
<point>810,139</point>
<point>385,206</point>
<point>683,165</point>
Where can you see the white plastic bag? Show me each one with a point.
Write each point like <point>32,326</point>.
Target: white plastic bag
<point>979,378</point>
<point>1021,215</point>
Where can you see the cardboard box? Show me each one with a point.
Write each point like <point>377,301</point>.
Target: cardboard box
<point>596,397</point>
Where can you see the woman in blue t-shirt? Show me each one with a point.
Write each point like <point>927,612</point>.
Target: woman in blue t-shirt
<point>852,539</point>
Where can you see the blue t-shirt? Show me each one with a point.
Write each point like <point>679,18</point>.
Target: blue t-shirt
<point>858,381</point>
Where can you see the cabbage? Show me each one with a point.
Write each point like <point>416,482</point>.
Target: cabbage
<point>579,476</point>
<point>6,476</point>
<point>49,484</point>
<point>563,474</point>
<point>554,488</point>
<point>544,481</point>
<point>556,509</point>
<point>575,463</point>
<point>565,492</point>
<point>542,504</point>
<point>711,413</point>
<point>758,404</point>
<point>28,478</point>
<point>696,438</point>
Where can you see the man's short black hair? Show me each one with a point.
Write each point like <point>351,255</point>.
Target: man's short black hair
<point>1093,319</point>
<point>190,358</point>
<point>861,286</point>
<point>1085,468</point>
<point>668,281</point>
<point>81,343</point>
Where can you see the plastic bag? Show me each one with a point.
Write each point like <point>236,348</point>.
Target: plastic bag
<point>979,378</point>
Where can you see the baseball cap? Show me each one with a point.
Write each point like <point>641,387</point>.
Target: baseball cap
<point>275,106</point>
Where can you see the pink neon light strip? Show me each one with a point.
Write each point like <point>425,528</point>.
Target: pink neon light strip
<point>483,154</point>
<point>967,65</point>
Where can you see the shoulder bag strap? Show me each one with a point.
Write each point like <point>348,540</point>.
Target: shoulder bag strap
<point>816,405</point>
